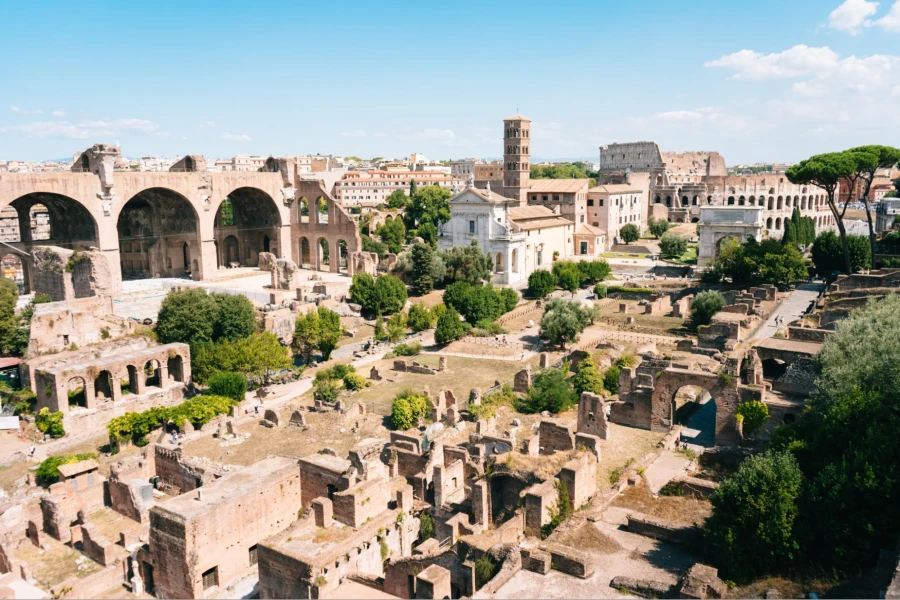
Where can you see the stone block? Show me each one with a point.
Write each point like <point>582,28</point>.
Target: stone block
<point>522,380</point>
<point>433,582</point>
<point>702,581</point>
<point>273,417</point>
<point>285,275</point>
<point>298,419</point>
<point>266,261</point>
<point>592,416</point>
<point>405,498</point>
<point>555,437</point>
<point>544,360</point>
<point>323,512</point>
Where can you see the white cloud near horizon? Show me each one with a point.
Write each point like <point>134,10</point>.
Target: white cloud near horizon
<point>85,129</point>
<point>235,137</point>
<point>23,111</point>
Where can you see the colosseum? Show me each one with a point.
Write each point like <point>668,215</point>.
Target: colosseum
<point>682,184</point>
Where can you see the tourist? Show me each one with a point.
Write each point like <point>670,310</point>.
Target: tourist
<point>31,451</point>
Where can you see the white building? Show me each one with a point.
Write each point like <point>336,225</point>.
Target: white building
<point>371,188</point>
<point>610,207</point>
<point>520,239</point>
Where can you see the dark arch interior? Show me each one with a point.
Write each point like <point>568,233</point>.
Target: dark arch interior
<point>695,409</point>
<point>52,219</point>
<point>505,497</point>
<point>249,218</point>
<point>158,235</point>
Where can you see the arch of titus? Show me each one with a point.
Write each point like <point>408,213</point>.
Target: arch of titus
<point>183,222</point>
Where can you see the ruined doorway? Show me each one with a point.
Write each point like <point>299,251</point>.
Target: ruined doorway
<point>266,244</point>
<point>248,215</point>
<point>186,257</point>
<point>305,256</point>
<point>132,380</point>
<point>231,251</point>
<point>694,408</point>
<point>103,386</point>
<point>506,494</point>
<point>175,366</point>
<point>151,372</point>
<point>76,390</point>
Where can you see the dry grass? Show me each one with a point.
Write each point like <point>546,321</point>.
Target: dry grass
<point>430,300</point>
<point>330,535</point>
<point>54,565</point>
<point>482,349</point>
<point>625,446</point>
<point>363,330</point>
<point>672,324</point>
<point>11,474</point>
<point>788,588</point>
<point>681,509</point>
<point>110,524</point>
<point>588,538</point>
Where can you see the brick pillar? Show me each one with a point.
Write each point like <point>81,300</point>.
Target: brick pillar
<point>163,374</point>
<point>141,381</point>
<point>116,389</point>
<point>323,510</point>
<point>481,507</point>
<point>90,396</point>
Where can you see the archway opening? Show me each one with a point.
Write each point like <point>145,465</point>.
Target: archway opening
<point>51,219</point>
<point>498,263</point>
<point>14,268</point>
<point>506,494</point>
<point>132,380</point>
<point>231,254</point>
<point>322,210</point>
<point>303,207</point>
<point>156,229</point>
<point>324,254</point>
<point>342,256</point>
<point>305,254</point>
<point>694,408</point>
<point>151,373</point>
<point>515,260</point>
<point>175,365</point>
<point>773,368</point>
<point>76,390</point>
<point>249,216</point>
<point>103,386</point>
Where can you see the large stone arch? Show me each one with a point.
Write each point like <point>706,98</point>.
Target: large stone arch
<point>251,216</point>
<point>726,392</point>
<point>159,235</point>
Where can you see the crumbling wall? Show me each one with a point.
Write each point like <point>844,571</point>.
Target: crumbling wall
<point>91,275</point>
<point>555,437</point>
<point>179,472</point>
<point>49,274</point>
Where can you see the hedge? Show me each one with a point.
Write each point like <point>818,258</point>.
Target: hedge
<point>632,290</point>
<point>199,410</point>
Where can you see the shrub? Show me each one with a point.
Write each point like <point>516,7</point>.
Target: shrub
<point>420,318</point>
<point>385,295</point>
<point>491,327</point>
<point>485,569</point>
<point>326,390</point>
<point>449,327</point>
<point>24,401</point>
<point>568,275</point>
<point>199,410</point>
<point>354,382</point>
<point>230,385</point>
<point>408,349</point>
<point>50,423</point>
<point>658,227</point>
<point>611,379</point>
<point>48,471</point>
<point>551,391</point>
<point>406,409</point>
<point>754,413</point>
<point>593,271</point>
<point>587,378</point>
<point>705,305</point>
<point>510,298</point>
<point>673,246</point>
<point>334,373</point>
<point>600,291</point>
<point>426,527</point>
<point>563,322</point>
<point>562,511</point>
<point>541,283</point>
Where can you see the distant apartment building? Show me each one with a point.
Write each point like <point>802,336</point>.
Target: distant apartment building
<point>612,206</point>
<point>464,169</point>
<point>243,162</point>
<point>371,188</point>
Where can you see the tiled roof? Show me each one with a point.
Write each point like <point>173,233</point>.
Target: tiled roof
<point>615,188</point>
<point>559,186</point>
<point>72,469</point>
<point>517,117</point>
<point>586,229</point>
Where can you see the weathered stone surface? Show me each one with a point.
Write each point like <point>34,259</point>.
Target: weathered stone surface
<point>266,261</point>
<point>522,380</point>
<point>285,275</point>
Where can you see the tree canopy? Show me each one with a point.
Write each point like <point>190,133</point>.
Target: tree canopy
<point>540,283</point>
<point>828,256</point>
<point>428,206</point>
<point>563,322</point>
<point>706,304</point>
<point>658,227</point>
<point>672,245</point>
<point>629,233</point>
<point>756,262</point>
<point>467,263</point>
<point>393,234</point>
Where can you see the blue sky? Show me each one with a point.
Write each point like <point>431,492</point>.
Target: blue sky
<point>757,81</point>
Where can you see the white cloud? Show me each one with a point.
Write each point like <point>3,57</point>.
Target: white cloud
<point>678,115</point>
<point>794,62</point>
<point>23,111</point>
<point>354,133</point>
<point>209,124</point>
<point>85,129</point>
<point>891,21</point>
<point>59,113</point>
<point>852,16</point>
<point>235,137</point>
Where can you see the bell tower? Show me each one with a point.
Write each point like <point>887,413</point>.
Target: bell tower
<point>516,157</point>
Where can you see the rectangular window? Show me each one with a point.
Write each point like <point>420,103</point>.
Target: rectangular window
<point>471,226</point>
<point>601,202</point>
<point>211,578</point>
<point>584,247</point>
<point>590,202</point>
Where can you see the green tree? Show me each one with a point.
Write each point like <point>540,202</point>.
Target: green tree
<point>50,423</point>
<point>611,379</point>
<point>753,414</point>
<point>428,205</point>
<point>330,331</point>
<point>449,327</point>
<point>229,385</point>
<point>509,298</point>
<point>420,318</point>
<point>552,391</point>
<point>370,245</point>
<point>568,276</point>
<point>389,295</point>
<point>593,271</point>
<point>468,263</point>
<point>396,327</point>
<point>756,262</point>
<point>412,188</point>
<point>629,233</point>
<point>188,316</point>
<point>236,318</point>
<point>397,199</point>
<point>563,322</point>
<point>307,335</point>
<point>886,157</point>
<point>541,283</point>
<point>362,291</point>
<point>267,355</point>
<point>455,295</point>
<point>587,377</point>
<point>13,340</point>
<point>393,234</point>
<point>483,302</point>
<point>705,305</point>
<point>827,254</point>
<point>658,227</point>
<point>380,332</point>
<point>751,532</point>
<point>422,258</point>
<point>672,245</point>
<point>826,171</point>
